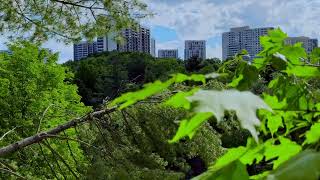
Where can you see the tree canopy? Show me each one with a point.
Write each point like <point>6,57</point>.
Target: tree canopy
<point>68,20</point>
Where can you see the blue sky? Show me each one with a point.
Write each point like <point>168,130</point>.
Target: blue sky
<point>178,20</point>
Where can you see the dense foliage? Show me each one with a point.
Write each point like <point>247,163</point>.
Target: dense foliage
<point>109,74</point>
<point>35,96</point>
<point>68,20</point>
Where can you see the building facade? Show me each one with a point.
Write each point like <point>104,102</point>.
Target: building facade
<point>83,50</point>
<point>241,38</point>
<point>168,53</point>
<point>136,41</point>
<point>307,43</point>
<point>106,43</point>
<point>153,47</point>
<point>195,48</point>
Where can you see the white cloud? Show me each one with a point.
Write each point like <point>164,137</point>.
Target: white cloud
<point>204,19</point>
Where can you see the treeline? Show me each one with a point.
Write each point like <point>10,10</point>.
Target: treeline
<point>106,75</point>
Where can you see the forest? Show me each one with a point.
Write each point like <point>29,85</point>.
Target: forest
<point>117,115</point>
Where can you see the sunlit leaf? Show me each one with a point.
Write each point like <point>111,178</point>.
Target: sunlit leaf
<point>304,166</point>
<point>189,127</point>
<point>284,151</point>
<point>180,99</point>
<point>303,71</point>
<point>313,135</point>
<point>235,170</point>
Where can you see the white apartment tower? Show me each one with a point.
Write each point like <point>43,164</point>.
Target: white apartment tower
<point>153,47</point>
<point>168,53</point>
<point>83,49</point>
<point>195,48</point>
<point>136,41</point>
<point>307,43</point>
<point>240,38</point>
<point>106,43</point>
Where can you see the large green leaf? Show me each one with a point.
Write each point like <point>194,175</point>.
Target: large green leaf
<point>294,54</point>
<point>189,127</point>
<point>179,100</point>
<point>313,135</point>
<point>303,71</point>
<point>304,166</point>
<point>284,151</point>
<point>233,171</point>
<point>274,122</point>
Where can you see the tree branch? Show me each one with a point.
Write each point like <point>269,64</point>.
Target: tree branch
<point>49,134</point>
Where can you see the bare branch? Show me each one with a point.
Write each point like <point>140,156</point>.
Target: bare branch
<point>7,133</point>
<point>48,134</point>
<point>11,172</point>
<point>43,114</point>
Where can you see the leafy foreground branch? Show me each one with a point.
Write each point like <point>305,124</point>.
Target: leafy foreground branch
<point>286,143</point>
<point>50,134</point>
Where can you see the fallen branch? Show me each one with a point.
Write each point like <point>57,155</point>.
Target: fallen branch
<point>49,134</point>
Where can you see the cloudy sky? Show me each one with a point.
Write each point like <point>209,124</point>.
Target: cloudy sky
<point>178,20</point>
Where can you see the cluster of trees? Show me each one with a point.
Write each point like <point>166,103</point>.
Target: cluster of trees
<point>107,75</point>
<point>37,94</point>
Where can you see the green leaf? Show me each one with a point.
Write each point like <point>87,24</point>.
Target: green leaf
<point>273,102</point>
<point>304,166</point>
<point>179,99</point>
<point>232,154</point>
<point>315,56</point>
<point>235,170</point>
<point>284,151</point>
<point>303,103</point>
<point>178,78</point>
<point>189,127</point>
<point>150,89</point>
<point>259,63</point>
<point>294,54</point>
<point>313,135</point>
<point>303,71</point>
<point>254,152</point>
<point>274,122</point>
<point>277,35</point>
<point>245,104</point>
<point>235,82</point>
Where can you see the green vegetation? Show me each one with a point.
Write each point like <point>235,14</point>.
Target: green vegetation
<point>107,75</point>
<point>68,20</point>
<point>153,118</point>
<point>288,113</point>
<point>36,96</point>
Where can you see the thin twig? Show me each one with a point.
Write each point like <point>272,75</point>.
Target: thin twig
<point>12,173</point>
<point>8,133</point>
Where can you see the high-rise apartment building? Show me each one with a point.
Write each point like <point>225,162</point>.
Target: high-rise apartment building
<point>195,48</point>
<point>168,53</point>
<point>136,41</point>
<point>106,43</point>
<point>83,49</point>
<point>153,47</point>
<point>307,43</point>
<point>240,38</point>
